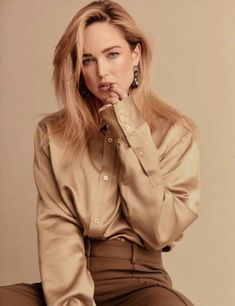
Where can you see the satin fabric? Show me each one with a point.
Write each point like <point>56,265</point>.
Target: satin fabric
<point>130,183</point>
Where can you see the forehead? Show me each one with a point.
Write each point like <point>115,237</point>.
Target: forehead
<point>101,35</point>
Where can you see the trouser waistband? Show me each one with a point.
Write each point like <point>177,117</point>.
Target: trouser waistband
<point>121,250</point>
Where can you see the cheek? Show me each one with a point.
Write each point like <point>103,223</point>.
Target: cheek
<point>88,78</point>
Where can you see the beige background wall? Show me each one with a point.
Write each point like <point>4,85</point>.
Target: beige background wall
<point>193,70</point>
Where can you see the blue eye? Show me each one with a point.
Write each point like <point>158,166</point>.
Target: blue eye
<point>113,54</point>
<point>87,61</point>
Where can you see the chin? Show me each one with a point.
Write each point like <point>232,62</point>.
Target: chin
<point>102,98</point>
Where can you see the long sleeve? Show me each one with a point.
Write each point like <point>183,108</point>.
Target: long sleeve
<point>63,266</point>
<point>160,191</point>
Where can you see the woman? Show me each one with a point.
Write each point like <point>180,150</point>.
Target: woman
<point>117,173</point>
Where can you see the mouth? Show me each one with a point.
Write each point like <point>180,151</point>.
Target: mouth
<point>104,86</point>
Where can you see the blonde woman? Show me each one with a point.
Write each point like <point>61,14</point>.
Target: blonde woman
<point>117,172</point>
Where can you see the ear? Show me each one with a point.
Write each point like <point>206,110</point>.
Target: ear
<point>136,54</point>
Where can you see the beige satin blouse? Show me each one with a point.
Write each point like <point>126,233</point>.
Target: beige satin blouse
<point>130,183</point>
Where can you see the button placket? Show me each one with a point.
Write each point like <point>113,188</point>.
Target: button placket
<point>106,177</point>
<point>109,151</point>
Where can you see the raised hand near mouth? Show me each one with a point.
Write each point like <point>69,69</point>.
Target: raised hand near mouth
<point>116,94</point>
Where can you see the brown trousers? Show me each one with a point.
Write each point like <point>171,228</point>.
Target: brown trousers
<point>124,274</point>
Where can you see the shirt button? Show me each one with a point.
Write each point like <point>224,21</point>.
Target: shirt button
<point>96,220</point>
<point>126,126</point>
<point>105,177</point>
<point>119,141</point>
<point>140,153</point>
<point>110,139</point>
<point>122,118</point>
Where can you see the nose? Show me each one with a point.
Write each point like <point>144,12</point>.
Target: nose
<point>102,68</point>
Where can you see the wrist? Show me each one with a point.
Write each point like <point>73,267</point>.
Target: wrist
<point>104,107</point>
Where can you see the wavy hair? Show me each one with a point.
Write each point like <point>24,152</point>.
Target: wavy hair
<point>78,120</point>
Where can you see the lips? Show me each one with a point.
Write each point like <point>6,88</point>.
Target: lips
<point>104,86</point>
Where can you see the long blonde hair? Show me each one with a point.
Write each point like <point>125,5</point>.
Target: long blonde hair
<point>78,120</point>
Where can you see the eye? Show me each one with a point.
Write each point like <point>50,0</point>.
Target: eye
<point>113,54</point>
<point>87,61</point>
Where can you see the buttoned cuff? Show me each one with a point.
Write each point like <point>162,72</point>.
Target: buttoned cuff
<point>123,119</point>
<point>127,125</point>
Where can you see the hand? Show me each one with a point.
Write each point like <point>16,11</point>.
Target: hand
<point>116,94</point>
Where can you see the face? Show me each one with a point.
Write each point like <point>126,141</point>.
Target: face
<point>107,59</point>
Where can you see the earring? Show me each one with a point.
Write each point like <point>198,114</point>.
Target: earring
<point>135,82</point>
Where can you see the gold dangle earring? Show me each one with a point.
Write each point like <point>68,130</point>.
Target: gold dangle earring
<point>136,81</point>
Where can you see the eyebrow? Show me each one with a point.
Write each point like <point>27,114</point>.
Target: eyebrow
<point>103,51</point>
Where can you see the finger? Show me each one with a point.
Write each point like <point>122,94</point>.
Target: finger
<point>113,94</point>
<point>120,92</point>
